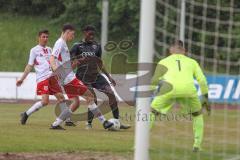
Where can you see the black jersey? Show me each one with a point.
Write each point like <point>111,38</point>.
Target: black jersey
<point>85,49</point>
<point>89,56</point>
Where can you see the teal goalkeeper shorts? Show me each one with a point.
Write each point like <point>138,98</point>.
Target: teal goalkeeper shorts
<point>164,103</point>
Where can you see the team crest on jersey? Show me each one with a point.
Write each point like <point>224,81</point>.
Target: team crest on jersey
<point>94,46</point>
<point>45,51</point>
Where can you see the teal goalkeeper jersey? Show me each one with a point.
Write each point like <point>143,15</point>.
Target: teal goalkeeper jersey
<point>181,71</point>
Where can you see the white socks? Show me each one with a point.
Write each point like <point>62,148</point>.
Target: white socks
<point>57,122</point>
<point>65,114</point>
<point>34,108</point>
<point>97,113</point>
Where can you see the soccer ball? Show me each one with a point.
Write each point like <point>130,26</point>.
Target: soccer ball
<point>116,124</point>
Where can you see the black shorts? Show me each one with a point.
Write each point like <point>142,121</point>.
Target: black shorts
<point>100,83</point>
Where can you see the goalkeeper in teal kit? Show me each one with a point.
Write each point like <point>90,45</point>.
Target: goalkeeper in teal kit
<point>176,85</point>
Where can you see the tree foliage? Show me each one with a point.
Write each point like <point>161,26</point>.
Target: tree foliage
<point>123,14</point>
<point>49,8</point>
<point>124,19</point>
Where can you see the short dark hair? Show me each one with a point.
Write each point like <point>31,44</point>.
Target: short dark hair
<point>44,31</point>
<point>89,28</point>
<point>178,43</point>
<point>68,26</point>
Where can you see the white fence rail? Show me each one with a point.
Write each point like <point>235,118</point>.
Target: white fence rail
<point>222,88</point>
<point>9,90</point>
<point>27,91</point>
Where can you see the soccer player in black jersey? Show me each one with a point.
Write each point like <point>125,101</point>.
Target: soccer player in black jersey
<point>86,55</point>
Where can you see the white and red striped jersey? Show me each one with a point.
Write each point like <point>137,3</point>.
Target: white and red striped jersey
<point>63,61</point>
<point>39,58</point>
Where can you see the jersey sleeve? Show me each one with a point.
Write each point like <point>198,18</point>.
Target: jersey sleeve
<point>32,57</point>
<point>198,74</point>
<point>74,51</point>
<point>57,49</point>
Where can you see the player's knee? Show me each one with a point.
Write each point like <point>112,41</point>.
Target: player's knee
<point>89,97</point>
<point>60,98</point>
<point>74,106</point>
<point>111,96</point>
<point>76,103</point>
<point>45,102</point>
<point>90,100</point>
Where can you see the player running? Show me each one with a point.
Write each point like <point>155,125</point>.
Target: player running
<point>89,52</point>
<point>61,65</point>
<point>39,59</point>
<point>179,81</point>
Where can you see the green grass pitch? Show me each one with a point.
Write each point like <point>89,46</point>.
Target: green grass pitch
<point>169,140</point>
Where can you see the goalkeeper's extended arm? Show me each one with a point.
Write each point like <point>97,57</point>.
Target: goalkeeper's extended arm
<point>205,103</point>
<point>198,74</point>
<point>203,86</point>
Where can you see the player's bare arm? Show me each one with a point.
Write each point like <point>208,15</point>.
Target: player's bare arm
<point>109,77</point>
<point>74,63</point>
<point>53,63</point>
<point>27,70</point>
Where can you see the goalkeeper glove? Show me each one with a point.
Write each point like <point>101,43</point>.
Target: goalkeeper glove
<point>206,104</point>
